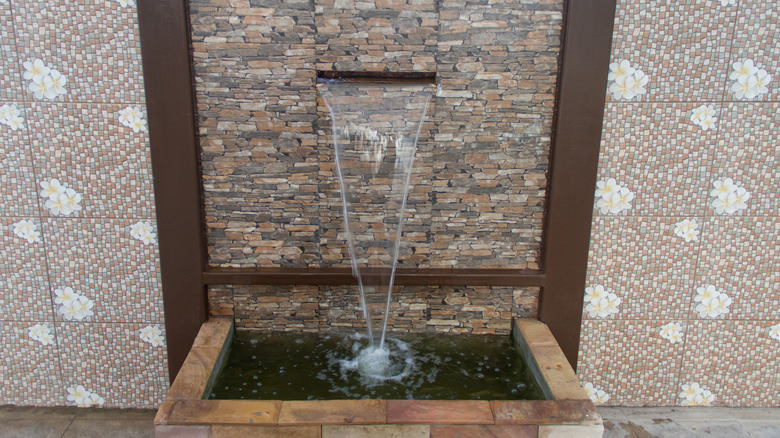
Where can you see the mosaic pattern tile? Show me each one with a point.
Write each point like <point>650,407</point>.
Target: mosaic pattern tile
<point>24,282</point>
<point>641,260</point>
<point>660,155</point>
<point>683,46</point>
<point>99,54</point>
<point>100,260</point>
<point>736,360</point>
<point>755,37</point>
<point>748,153</point>
<point>10,76</point>
<point>19,195</point>
<point>630,362</point>
<point>29,371</point>
<point>132,376</point>
<point>740,256</point>
<point>113,176</point>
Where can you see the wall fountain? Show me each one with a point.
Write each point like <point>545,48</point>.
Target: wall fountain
<point>374,385</point>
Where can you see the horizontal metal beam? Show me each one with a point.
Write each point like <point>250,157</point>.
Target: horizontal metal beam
<point>403,277</point>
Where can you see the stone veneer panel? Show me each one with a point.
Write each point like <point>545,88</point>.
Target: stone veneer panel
<point>271,198</point>
<point>476,309</point>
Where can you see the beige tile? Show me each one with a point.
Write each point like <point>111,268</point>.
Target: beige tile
<point>642,261</point>
<point>24,281</point>
<point>654,150</point>
<point>117,428</point>
<point>51,428</point>
<point>86,147</point>
<point>747,152</point>
<point>383,430</point>
<point>219,431</point>
<point>740,257</point>
<point>682,46</point>
<point>631,362</point>
<point>100,260</point>
<point>134,375</point>
<point>99,54</point>
<point>755,35</point>
<point>29,371</point>
<point>182,431</point>
<point>19,193</point>
<point>547,431</point>
<point>736,360</point>
<point>10,76</point>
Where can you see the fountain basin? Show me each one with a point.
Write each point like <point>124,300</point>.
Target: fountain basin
<point>567,410</point>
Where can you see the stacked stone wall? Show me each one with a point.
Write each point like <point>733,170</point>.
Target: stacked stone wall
<point>480,179</point>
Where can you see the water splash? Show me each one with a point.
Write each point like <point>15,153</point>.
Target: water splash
<point>375,130</point>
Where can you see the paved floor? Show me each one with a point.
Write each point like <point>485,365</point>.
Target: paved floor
<point>16,422</point>
<point>690,422</point>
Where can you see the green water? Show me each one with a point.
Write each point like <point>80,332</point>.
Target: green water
<point>283,366</point>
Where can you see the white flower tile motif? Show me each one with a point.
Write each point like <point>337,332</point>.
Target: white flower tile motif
<point>41,333</point>
<point>152,334</point>
<point>82,398</point>
<point>72,305</point>
<point>774,332</point>
<point>750,80</point>
<point>126,3</point>
<point>11,116</point>
<point>704,117</point>
<point>27,230</point>
<point>729,196</point>
<point>626,82</point>
<point>133,117</point>
<point>601,303</point>
<point>712,303</point>
<point>687,229</point>
<point>143,231</point>
<point>61,200</point>
<point>672,332</point>
<point>46,83</point>
<point>612,198</point>
<point>693,394</point>
<point>597,395</point>
<point>726,2</point>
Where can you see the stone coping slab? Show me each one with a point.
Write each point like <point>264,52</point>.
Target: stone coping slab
<point>186,411</point>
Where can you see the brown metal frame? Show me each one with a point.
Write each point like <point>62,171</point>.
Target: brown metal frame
<point>165,45</point>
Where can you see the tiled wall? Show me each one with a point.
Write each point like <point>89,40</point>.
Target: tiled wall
<point>81,314</point>
<point>683,298</point>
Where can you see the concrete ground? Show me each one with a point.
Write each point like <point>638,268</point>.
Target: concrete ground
<point>23,422</point>
<point>691,422</point>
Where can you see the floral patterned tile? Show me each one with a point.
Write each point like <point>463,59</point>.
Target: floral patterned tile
<point>644,263</point>
<point>755,39</point>
<point>682,47</point>
<point>740,258</point>
<point>18,188</point>
<point>29,371</point>
<point>90,150</point>
<point>10,75</point>
<point>658,153</point>
<point>108,263</point>
<point>99,56</point>
<point>134,375</point>
<point>630,362</point>
<point>747,152</point>
<point>737,361</point>
<point>24,285</point>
